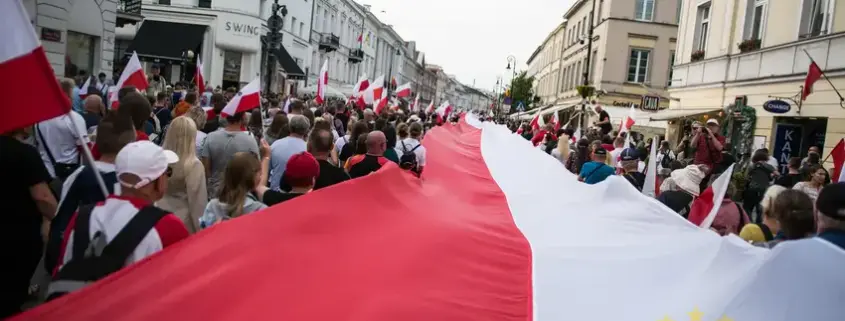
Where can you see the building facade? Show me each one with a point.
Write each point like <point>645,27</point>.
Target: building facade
<point>632,47</point>
<point>79,35</point>
<point>337,26</point>
<point>545,64</point>
<point>761,49</point>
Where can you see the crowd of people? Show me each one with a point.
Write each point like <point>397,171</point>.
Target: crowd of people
<point>170,167</point>
<point>761,205</point>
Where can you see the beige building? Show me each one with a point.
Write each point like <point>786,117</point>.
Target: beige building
<point>756,48</point>
<point>543,65</point>
<point>632,52</point>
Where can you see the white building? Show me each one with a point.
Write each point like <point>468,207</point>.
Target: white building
<point>294,56</point>
<point>337,26</point>
<point>79,35</point>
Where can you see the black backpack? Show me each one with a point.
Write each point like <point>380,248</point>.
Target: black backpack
<point>95,258</point>
<point>666,161</point>
<point>409,158</point>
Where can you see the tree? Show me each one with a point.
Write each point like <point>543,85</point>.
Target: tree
<point>522,89</point>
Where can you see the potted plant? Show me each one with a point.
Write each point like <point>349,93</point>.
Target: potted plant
<point>749,45</point>
<point>585,91</point>
<point>697,55</point>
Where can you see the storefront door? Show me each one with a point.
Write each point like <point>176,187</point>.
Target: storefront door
<point>793,137</point>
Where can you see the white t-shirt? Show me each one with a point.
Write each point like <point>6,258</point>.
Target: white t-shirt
<point>61,139</point>
<point>614,157</point>
<point>409,144</point>
<point>339,142</point>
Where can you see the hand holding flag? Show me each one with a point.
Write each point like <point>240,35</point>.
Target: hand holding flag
<point>247,98</point>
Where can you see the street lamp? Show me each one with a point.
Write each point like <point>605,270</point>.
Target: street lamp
<point>390,70</point>
<point>512,62</point>
<point>187,55</point>
<point>273,41</point>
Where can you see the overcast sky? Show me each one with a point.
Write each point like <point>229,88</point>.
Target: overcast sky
<point>472,39</point>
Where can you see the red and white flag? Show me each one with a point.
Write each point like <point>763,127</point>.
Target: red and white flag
<point>133,75</point>
<point>538,122</point>
<point>813,74</point>
<point>416,106</point>
<point>704,208</point>
<point>23,68</point>
<point>626,125</point>
<point>381,102</point>
<point>838,156</point>
<point>199,78</point>
<point>556,121</point>
<point>83,92</point>
<point>430,108</point>
<point>444,110</point>
<point>246,99</point>
<point>404,90</point>
<point>360,86</point>
<point>374,91</point>
<point>576,135</point>
<point>322,83</point>
<point>494,246</point>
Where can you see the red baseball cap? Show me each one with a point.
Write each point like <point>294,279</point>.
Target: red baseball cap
<point>302,165</point>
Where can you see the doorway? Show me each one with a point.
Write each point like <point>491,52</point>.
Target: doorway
<point>793,136</point>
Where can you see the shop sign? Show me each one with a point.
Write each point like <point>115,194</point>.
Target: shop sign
<point>650,103</point>
<point>621,103</point>
<point>48,34</point>
<point>777,106</point>
<point>238,32</point>
<point>787,144</point>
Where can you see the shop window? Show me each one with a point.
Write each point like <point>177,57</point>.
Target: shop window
<point>80,54</point>
<point>816,18</point>
<point>644,10</point>
<point>638,65</point>
<point>232,68</point>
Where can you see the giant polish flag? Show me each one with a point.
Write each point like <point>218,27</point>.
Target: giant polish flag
<point>24,68</point>
<point>403,91</point>
<point>322,83</point>
<point>502,243</point>
<point>132,75</point>
<point>246,99</point>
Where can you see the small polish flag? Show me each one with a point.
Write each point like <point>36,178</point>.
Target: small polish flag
<point>703,210</point>
<point>538,122</point>
<point>556,121</point>
<point>24,66</point>
<point>199,78</point>
<point>322,82</point>
<point>374,91</point>
<point>576,135</point>
<point>209,112</point>
<point>650,185</point>
<point>360,86</point>
<point>381,103</point>
<point>416,106</point>
<point>444,109</point>
<point>394,104</point>
<point>133,75</point>
<point>404,90</point>
<point>627,124</point>
<point>430,108</point>
<point>246,99</point>
<point>83,92</point>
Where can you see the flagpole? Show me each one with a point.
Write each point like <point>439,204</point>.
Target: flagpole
<point>841,99</point>
<point>86,151</point>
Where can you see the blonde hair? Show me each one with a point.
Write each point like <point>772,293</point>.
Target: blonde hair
<point>238,180</point>
<point>181,139</point>
<point>198,115</point>
<point>769,198</point>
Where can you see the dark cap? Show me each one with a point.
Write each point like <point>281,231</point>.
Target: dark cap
<point>831,201</point>
<point>629,154</point>
<point>600,151</point>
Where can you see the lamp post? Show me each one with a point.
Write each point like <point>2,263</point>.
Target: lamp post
<point>583,118</point>
<point>512,62</point>
<point>390,71</point>
<point>273,41</point>
<point>496,97</point>
<point>187,55</point>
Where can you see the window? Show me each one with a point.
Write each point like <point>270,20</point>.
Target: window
<point>318,23</point>
<point>755,19</point>
<point>599,10</point>
<point>678,14</point>
<point>702,28</point>
<point>644,10</point>
<point>204,3</point>
<point>293,25</point>
<point>326,21</point>
<point>671,67</point>
<point>816,18</point>
<point>578,33</point>
<point>301,29</point>
<point>80,54</point>
<point>578,74</point>
<point>231,68</point>
<point>585,24</point>
<point>638,65</point>
<point>593,66</point>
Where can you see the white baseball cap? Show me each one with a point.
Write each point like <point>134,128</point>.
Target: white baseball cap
<point>144,159</point>
<point>712,121</point>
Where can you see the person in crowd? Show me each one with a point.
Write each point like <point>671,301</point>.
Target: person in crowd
<point>597,170</point>
<point>684,151</point>
<point>273,108</point>
<point>198,115</point>
<point>278,129</point>
<point>157,82</point>
<point>813,182</point>
<point>255,125</point>
<point>766,226</point>
<point>330,120</point>
<point>220,146</point>
<point>665,157</point>
<point>413,144</point>
<point>342,140</point>
<point>214,120</point>
<point>301,172</point>
<point>730,217</point>
<point>370,118</point>
<point>604,120</point>
<point>59,143</point>
<point>284,148</point>
<point>142,169</point>
<point>540,134</point>
<point>793,176</point>
<point>29,206</point>
<point>161,110</point>
<point>813,161</point>
<point>186,195</point>
<point>242,175</point>
<point>296,107</point>
<point>687,182</point>
<point>401,135</point>
<point>390,135</point>
<point>759,174</point>
<point>771,161</point>
<point>618,147</point>
<point>321,147</point>
<point>373,160</point>
<point>708,144</point>
<point>358,129</point>
<point>81,187</point>
<point>831,214</point>
<point>561,151</point>
<point>94,111</point>
<point>629,161</point>
<point>579,156</point>
<point>71,88</point>
<point>813,153</point>
<point>794,213</point>
<point>321,123</point>
<point>341,117</point>
<point>138,108</point>
<point>183,106</point>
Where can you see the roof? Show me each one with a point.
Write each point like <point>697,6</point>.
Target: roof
<point>574,8</point>
<point>534,55</point>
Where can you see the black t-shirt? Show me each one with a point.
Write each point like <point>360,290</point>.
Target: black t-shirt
<point>362,165</point>
<point>347,151</point>
<point>676,200</point>
<point>329,175</point>
<point>636,178</point>
<point>606,127</point>
<point>789,180</point>
<point>759,176</point>
<point>272,197</point>
<point>343,118</point>
<point>211,125</point>
<point>22,169</point>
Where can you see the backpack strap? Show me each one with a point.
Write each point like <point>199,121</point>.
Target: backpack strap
<point>415,147</point>
<point>125,242</point>
<point>44,144</point>
<point>741,215</point>
<point>81,230</point>
<point>767,233</point>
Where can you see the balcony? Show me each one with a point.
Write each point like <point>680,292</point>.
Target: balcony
<point>329,42</point>
<point>764,64</point>
<point>356,56</point>
<point>128,12</point>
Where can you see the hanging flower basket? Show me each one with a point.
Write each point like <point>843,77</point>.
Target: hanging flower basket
<point>586,91</point>
<point>749,45</point>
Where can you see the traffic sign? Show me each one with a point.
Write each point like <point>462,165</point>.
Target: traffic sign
<point>520,106</point>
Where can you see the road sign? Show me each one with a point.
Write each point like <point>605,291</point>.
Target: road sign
<point>520,106</point>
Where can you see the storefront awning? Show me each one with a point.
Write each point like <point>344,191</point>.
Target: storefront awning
<point>669,114</point>
<point>556,108</point>
<point>160,40</point>
<point>288,64</point>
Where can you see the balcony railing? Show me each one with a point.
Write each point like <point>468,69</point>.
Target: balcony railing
<point>329,42</point>
<point>356,55</point>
